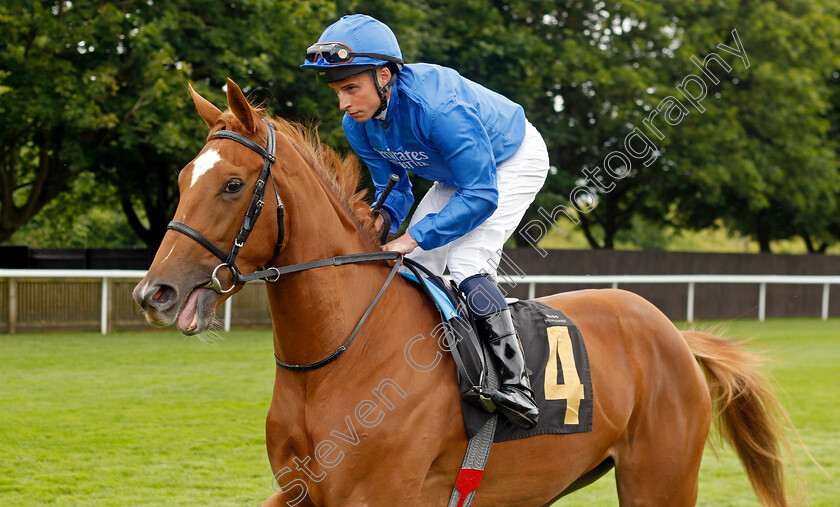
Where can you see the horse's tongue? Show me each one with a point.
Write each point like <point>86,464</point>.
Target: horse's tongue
<point>188,318</point>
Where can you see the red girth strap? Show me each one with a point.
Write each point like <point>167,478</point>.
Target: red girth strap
<point>468,481</point>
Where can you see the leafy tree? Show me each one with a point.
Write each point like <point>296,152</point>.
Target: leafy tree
<point>820,241</point>
<point>257,43</point>
<point>101,86</point>
<point>49,107</point>
<point>588,73</point>
<point>761,156</point>
<point>581,70</point>
<point>86,215</point>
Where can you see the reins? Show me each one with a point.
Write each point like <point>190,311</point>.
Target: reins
<point>272,274</point>
<point>338,261</point>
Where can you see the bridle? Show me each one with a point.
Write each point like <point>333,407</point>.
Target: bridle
<point>272,274</point>
<point>251,215</point>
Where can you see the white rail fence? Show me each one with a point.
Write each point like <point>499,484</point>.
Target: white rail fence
<point>105,278</point>
<point>691,281</point>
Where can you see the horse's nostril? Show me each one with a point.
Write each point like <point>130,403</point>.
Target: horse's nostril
<point>162,298</point>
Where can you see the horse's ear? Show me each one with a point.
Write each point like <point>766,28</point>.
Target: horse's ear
<point>240,107</point>
<point>206,110</point>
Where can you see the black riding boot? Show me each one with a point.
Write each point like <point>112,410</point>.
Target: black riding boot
<point>514,399</point>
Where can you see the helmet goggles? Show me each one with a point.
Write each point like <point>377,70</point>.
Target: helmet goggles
<point>335,53</point>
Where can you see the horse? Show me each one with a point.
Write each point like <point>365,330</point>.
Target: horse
<point>361,424</point>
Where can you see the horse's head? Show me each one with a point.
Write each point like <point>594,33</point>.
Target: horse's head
<point>217,189</point>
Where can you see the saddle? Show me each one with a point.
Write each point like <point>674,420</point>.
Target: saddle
<point>555,355</point>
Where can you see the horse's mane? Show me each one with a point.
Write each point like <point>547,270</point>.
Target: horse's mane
<point>341,174</point>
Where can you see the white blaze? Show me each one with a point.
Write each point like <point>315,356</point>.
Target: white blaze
<point>204,163</point>
<point>170,253</point>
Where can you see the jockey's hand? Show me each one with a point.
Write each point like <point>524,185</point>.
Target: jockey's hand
<point>405,244</point>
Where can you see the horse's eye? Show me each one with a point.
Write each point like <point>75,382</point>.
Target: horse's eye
<point>233,186</point>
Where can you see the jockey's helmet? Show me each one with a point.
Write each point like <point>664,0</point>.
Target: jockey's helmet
<point>352,45</point>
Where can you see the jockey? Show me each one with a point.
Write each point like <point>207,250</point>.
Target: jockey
<point>487,161</point>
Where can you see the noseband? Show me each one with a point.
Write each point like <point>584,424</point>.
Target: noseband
<point>254,209</point>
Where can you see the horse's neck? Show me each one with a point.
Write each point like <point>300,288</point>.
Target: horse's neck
<point>314,311</point>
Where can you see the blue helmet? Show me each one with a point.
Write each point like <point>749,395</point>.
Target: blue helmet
<point>352,45</point>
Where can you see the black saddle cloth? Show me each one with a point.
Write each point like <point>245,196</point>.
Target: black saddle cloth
<point>556,358</point>
<point>555,355</point>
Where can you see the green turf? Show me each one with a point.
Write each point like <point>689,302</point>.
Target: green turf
<point>158,419</point>
<point>134,419</point>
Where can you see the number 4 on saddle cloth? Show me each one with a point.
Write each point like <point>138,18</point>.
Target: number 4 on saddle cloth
<point>555,356</point>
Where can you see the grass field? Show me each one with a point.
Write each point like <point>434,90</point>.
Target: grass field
<point>158,419</point>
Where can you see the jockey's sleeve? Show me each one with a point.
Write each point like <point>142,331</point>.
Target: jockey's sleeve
<point>462,139</point>
<point>400,200</point>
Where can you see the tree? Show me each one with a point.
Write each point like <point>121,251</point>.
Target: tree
<point>259,44</point>
<point>582,71</point>
<point>48,109</point>
<point>86,215</point>
<point>101,86</point>
<point>766,163</point>
<point>820,241</point>
<point>590,74</point>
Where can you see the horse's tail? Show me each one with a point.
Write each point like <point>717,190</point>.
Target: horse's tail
<point>748,414</point>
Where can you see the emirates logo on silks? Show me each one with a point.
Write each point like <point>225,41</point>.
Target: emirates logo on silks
<point>405,159</point>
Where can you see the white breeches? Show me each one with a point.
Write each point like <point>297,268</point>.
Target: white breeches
<point>519,178</point>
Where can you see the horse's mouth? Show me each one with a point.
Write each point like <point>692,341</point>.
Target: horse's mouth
<point>198,311</point>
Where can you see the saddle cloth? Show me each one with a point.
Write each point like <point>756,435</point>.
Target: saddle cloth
<point>555,355</point>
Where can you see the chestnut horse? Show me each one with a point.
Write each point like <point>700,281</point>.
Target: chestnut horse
<point>373,428</point>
